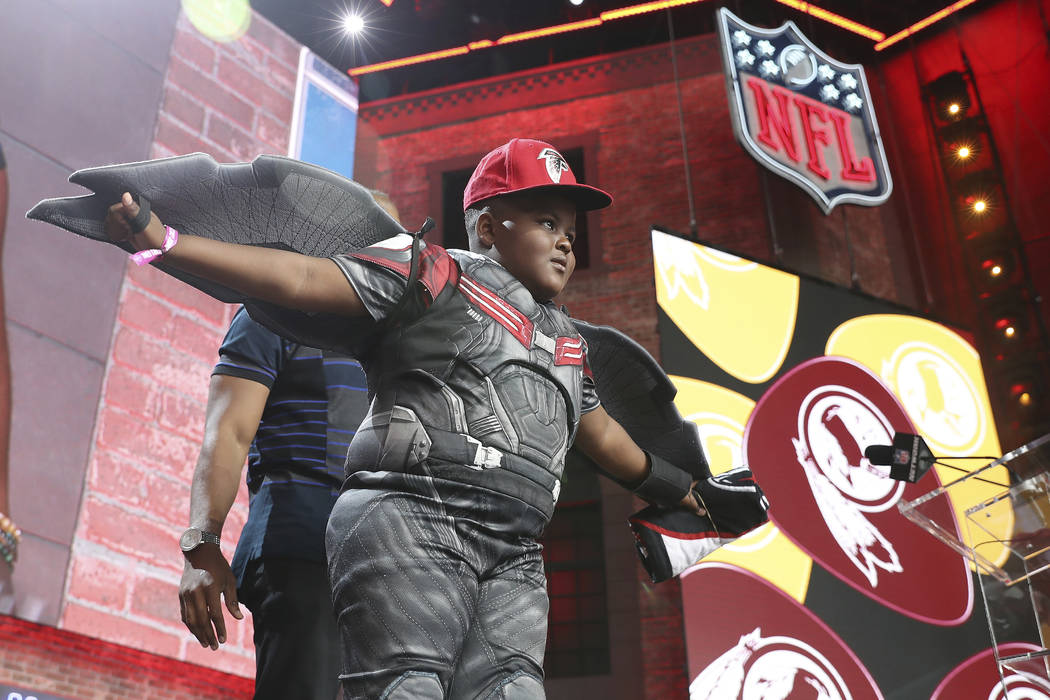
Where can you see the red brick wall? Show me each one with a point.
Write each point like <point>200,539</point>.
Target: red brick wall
<point>233,101</point>
<point>86,669</point>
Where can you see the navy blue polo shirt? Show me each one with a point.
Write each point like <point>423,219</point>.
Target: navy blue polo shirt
<point>295,464</point>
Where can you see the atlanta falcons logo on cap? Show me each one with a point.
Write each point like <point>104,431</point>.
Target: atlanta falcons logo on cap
<point>556,165</point>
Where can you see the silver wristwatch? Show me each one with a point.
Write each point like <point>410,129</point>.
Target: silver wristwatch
<point>194,537</point>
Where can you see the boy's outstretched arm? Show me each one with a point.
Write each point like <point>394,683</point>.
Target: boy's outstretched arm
<point>606,442</point>
<point>282,277</point>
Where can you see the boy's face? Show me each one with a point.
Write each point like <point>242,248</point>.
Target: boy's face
<point>531,235</point>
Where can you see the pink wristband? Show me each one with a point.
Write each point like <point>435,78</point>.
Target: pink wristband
<point>171,237</point>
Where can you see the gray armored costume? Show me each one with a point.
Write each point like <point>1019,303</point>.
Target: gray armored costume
<point>478,393</point>
<point>437,578</point>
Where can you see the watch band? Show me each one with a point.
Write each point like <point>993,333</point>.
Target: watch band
<point>194,537</point>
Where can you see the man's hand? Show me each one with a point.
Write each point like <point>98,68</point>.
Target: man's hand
<point>118,225</point>
<point>207,579</point>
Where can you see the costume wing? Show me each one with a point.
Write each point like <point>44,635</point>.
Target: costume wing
<point>273,202</point>
<point>639,395</point>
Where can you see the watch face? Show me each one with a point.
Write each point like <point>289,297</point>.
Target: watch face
<point>190,539</point>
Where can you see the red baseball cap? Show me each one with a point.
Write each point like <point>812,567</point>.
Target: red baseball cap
<point>526,164</point>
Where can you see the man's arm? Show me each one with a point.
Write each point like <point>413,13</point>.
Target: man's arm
<point>606,442</point>
<point>282,277</point>
<point>235,406</point>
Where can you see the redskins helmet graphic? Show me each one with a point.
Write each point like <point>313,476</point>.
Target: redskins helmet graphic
<point>757,643</point>
<point>978,677</point>
<point>805,443</point>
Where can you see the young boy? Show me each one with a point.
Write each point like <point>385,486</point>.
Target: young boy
<point>480,386</point>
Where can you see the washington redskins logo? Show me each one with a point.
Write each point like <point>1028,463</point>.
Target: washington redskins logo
<point>978,677</point>
<point>939,395</point>
<point>769,668</point>
<point>805,443</point>
<point>835,425</point>
<point>556,165</point>
<point>758,643</point>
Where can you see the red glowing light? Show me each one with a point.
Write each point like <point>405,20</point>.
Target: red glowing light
<point>832,18</point>
<point>644,7</point>
<point>923,23</point>
<point>630,11</point>
<point>547,31</point>
<point>410,60</point>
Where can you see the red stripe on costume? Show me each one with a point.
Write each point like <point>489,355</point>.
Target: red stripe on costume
<point>683,535</point>
<point>691,535</point>
<point>399,266</point>
<point>495,307</point>
<point>436,269</point>
<point>568,351</point>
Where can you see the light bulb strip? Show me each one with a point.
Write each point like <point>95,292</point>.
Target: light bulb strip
<point>607,16</point>
<point>643,8</point>
<point>548,31</point>
<point>832,18</point>
<point>409,60</point>
<point>923,23</point>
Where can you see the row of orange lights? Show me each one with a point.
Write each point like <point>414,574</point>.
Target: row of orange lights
<point>1009,327</point>
<point>808,8</point>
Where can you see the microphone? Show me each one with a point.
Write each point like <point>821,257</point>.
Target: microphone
<point>909,457</point>
<point>879,455</point>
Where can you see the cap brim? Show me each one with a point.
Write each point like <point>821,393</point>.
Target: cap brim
<point>585,197</point>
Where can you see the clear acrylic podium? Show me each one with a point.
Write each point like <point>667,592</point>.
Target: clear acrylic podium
<point>1003,515</point>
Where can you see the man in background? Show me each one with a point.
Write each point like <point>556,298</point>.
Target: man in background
<point>292,411</point>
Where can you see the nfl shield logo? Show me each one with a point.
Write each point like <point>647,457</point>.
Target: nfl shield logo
<point>802,114</point>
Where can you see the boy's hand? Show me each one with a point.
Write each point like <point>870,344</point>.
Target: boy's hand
<point>118,225</point>
<point>690,501</point>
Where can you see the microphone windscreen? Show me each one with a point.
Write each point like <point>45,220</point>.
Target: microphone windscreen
<point>879,455</point>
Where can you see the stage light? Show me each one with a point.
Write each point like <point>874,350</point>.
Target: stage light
<point>353,24</point>
<point>963,152</point>
<point>950,96</point>
<point>954,108</point>
<point>996,264</point>
<point>1010,327</point>
<point>1023,394</point>
<point>979,205</point>
<point>575,3</point>
<point>1006,327</point>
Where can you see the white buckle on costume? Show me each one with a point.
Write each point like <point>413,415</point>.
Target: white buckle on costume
<point>546,342</point>
<point>486,457</point>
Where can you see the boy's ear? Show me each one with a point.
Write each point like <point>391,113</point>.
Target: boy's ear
<point>485,229</point>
